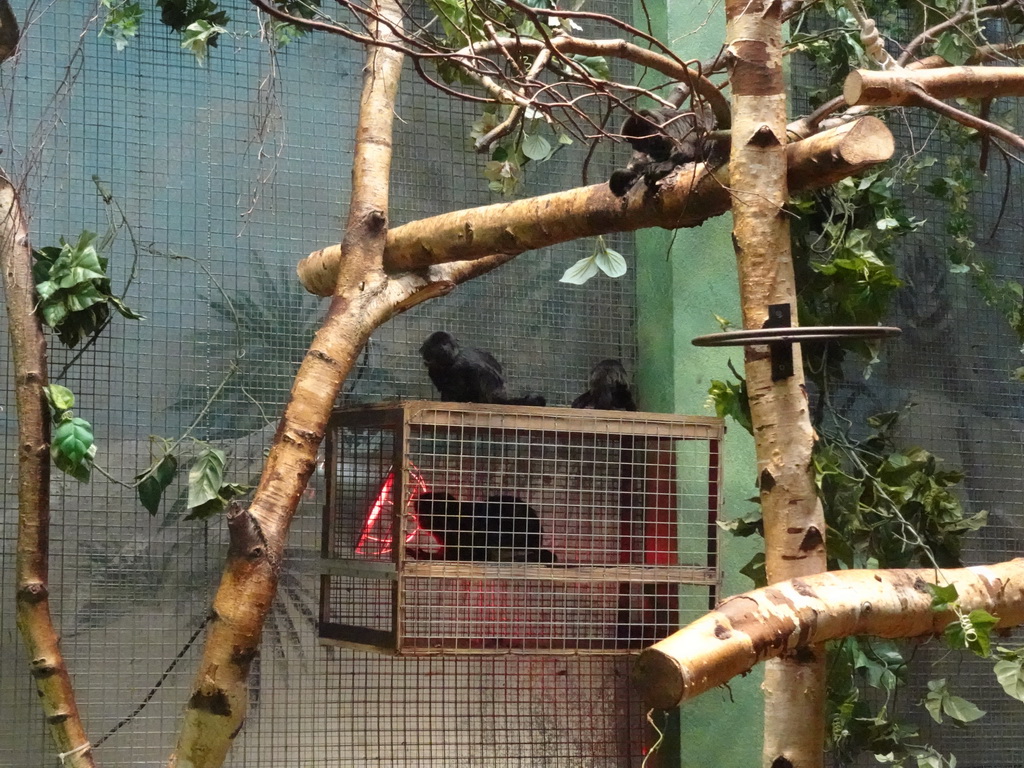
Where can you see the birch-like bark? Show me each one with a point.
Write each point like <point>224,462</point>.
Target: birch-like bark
<point>901,87</point>
<point>802,613</point>
<point>28,352</point>
<point>794,685</point>
<point>689,197</point>
<point>216,709</point>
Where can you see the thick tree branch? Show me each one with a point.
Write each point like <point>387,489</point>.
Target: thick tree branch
<point>790,616</point>
<point>902,86</point>
<point>217,705</point>
<point>805,126</point>
<point>692,195</point>
<point>925,88</point>
<point>28,350</point>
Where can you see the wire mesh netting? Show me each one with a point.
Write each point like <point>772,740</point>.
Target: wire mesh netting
<point>218,180</point>
<point>496,529</point>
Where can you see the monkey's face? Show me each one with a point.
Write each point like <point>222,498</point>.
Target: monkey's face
<point>440,348</point>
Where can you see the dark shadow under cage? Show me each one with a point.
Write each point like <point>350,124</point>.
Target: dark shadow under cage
<point>491,529</point>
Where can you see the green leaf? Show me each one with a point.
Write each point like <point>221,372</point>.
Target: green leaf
<point>72,439</point>
<point>80,470</point>
<point>748,525</point>
<point>154,481</point>
<point>961,709</point>
<point>536,147</point>
<point>205,477</point>
<point>218,504</point>
<point>939,701</point>
<point>933,699</point>
<point>198,37</point>
<point>581,271</point>
<point>610,262</point>
<point>943,596</point>
<point>1010,674</point>
<point>124,310</point>
<point>954,48</point>
<point>121,23</point>
<point>74,290</point>
<point>596,66</point>
<point>755,570</point>
<point>730,399</point>
<point>72,447</point>
<point>973,632</point>
<point>60,398</point>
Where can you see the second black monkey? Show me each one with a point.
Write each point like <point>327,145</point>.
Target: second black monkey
<point>502,529</point>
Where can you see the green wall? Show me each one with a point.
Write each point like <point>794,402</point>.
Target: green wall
<point>684,279</point>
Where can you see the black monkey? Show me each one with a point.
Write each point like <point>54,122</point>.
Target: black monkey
<point>443,517</point>
<point>609,389</point>
<point>513,531</point>
<point>662,139</point>
<point>467,375</point>
<point>502,529</point>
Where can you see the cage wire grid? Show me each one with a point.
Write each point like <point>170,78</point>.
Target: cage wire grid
<point>228,175</point>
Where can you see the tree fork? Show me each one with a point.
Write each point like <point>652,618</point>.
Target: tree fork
<point>794,526</point>
<point>693,194</point>
<point>804,613</point>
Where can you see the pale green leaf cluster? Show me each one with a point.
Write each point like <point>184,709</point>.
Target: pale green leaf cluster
<point>121,22</point>
<point>197,39</point>
<point>939,701</point>
<point>603,259</point>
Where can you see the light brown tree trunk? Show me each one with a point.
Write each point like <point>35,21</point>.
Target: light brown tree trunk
<point>693,195</point>
<point>216,708</point>
<point>28,350</point>
<point>794,527</point>
<point>803,613</point>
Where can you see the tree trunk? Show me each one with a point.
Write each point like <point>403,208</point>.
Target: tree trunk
<point>216,708</point>
<point>803,613</point>
<point>793,520</point>
<point>28,350</point>
<point>692,195</point>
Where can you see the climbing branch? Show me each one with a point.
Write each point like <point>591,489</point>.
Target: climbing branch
<point>692,195</point>
<point>903,87</point>
<point>926,88</point>
<point>790,616</point>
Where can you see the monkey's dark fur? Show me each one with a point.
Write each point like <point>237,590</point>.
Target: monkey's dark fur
<point>467,375</point>
<point>503,529</point>
<point>662,139</point>
<point>609,389</point>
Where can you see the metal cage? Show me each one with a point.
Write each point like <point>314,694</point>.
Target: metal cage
<point>458,528</point>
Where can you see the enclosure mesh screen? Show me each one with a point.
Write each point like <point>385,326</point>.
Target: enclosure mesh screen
<point>227,175</point>
<point>955,363</point>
